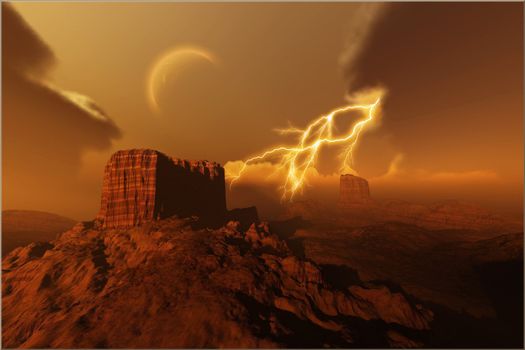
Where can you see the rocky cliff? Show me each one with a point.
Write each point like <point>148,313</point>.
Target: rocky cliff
<point>142,185</point>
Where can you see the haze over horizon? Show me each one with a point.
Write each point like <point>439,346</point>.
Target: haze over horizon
<point>451,124</point>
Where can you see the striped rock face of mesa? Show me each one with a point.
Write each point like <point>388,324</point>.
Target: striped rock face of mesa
<point>142,185</point>
<point>353,190</point>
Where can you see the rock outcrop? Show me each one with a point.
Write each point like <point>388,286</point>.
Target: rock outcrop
<point>245,216</point>
<point>353,190</point>
<point>142,185</point>
<point>415,257</point>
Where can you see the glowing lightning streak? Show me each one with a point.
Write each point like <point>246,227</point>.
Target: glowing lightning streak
<point>320,132</point>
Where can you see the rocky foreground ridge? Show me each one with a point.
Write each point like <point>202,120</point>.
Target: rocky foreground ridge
<point>167,285</point>
<point>146,273</point>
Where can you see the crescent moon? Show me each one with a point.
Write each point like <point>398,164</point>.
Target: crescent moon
<point>167,61</point>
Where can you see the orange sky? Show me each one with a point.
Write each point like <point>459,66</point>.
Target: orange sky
<point>451,125</point>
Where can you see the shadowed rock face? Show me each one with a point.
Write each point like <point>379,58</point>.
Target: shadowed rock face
<point>145,185</point>
<point>474,284</point>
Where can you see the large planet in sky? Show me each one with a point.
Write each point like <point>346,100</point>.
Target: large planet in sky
<point>168,66</point>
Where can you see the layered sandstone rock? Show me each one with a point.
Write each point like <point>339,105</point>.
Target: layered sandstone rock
<point>142,185</point>
<point>353,190</point>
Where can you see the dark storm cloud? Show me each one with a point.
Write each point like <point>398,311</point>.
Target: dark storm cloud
<point>26,60</point>
<point>454,75</point>
<point>45,128</point>
<point>22,49</point>
<point>441,54</point>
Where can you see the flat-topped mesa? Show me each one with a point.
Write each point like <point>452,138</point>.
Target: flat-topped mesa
<point>353,190</point>
<point>142,185</point>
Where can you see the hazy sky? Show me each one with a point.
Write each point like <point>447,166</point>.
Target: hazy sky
<point>451,124</point>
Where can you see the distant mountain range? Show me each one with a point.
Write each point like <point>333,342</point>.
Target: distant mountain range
<point>22,227</point>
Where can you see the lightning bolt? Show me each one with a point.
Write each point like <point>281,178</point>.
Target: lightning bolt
<point>299,159</point>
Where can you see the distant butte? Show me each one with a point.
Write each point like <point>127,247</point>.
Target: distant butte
<point>353,190</point>
<point>358,208</point>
